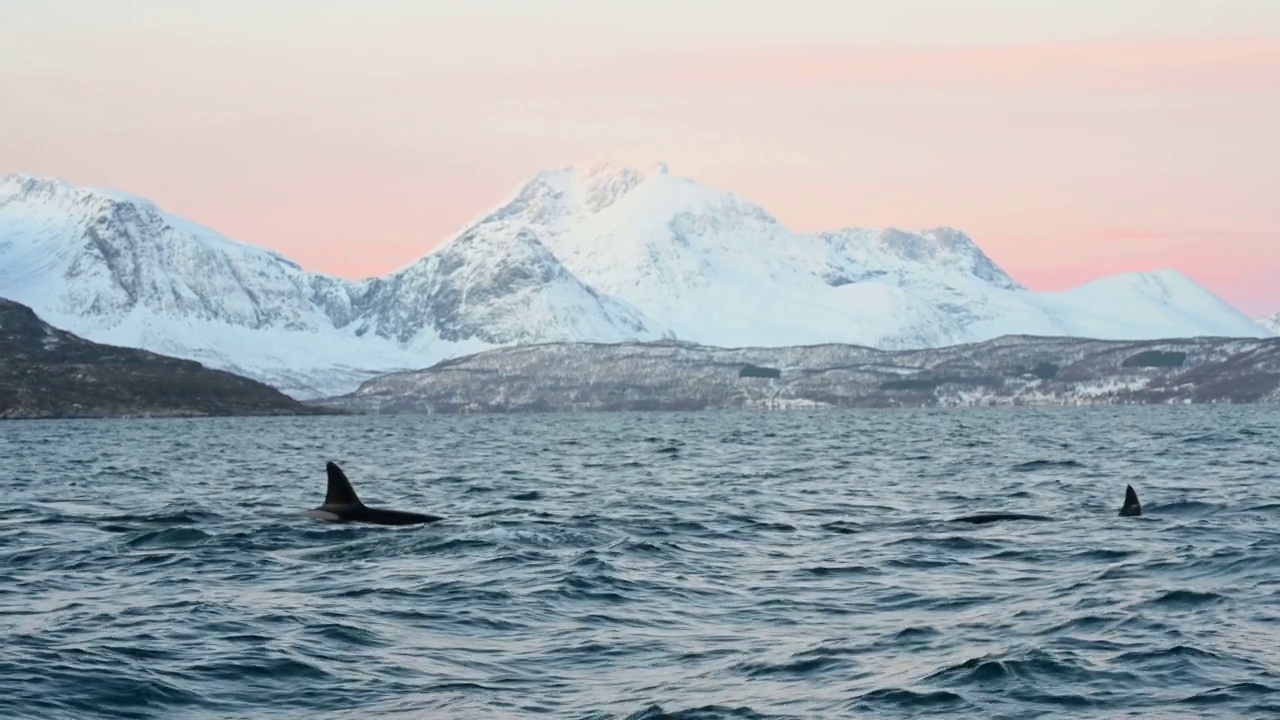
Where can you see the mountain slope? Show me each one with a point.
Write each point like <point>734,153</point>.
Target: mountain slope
<point>494,289</point>
<point>602,255</point>
<point>1159,304</point>
<point>45,372</point>
<point>1271,323</point>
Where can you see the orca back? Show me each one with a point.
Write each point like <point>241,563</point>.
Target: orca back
<point>983,518</point>
<point>1131,508</point>
<point>341,503</point>
<point>382,516</point>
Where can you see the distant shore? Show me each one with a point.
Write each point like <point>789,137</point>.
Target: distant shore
<point>675,376</point>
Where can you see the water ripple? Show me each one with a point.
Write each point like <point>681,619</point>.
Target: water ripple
<point>645,566</point>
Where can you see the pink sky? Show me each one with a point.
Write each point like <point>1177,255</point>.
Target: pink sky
<point>354,139</point>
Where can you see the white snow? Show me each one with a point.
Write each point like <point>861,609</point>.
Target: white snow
<point>713,268</point>
<point>120,271</point>
<point>602,254</point>
<point>1271,322</point>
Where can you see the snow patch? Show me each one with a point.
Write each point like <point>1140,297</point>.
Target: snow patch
<point>1271,322</point>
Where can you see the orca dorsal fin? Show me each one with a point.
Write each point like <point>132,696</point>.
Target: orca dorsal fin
<point>1131,505</point>
<point>340,491</point>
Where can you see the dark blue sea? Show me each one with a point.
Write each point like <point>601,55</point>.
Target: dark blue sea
<point>644,566</point>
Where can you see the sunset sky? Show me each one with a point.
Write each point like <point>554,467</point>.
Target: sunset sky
<point>1070,139</point>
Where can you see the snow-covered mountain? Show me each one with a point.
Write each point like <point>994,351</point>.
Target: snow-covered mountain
<point>1271,322</point>
<point>116,269</point>
<point>713,268</point>
<point>603,255</point>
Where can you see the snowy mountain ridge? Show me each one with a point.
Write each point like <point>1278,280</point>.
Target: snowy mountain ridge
<point>117,269</point>
<point>603,254</point>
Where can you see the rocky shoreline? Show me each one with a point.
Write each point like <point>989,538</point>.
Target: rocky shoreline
<point>47,373</point>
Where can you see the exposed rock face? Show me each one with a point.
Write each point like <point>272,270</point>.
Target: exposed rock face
<point>49,373</point>
<point>1013,370</point>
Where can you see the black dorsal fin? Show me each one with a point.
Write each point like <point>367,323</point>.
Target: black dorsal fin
<point>1131,505</point>
<point>340,491</point>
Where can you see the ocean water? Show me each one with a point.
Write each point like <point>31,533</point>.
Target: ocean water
<point>727,565</point>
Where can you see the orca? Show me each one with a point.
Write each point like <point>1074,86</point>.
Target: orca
<point>982,518</point>
<point>342,505</point>
<point>1131,508</point>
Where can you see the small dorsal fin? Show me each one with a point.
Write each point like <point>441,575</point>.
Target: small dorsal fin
<point>1131,505</point>
<point>340,491</point>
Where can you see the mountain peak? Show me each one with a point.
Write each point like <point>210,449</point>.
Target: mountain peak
<point>604,183</point>
<point>24,185</point>
<point>557,199</point>
<point>37,186</point>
